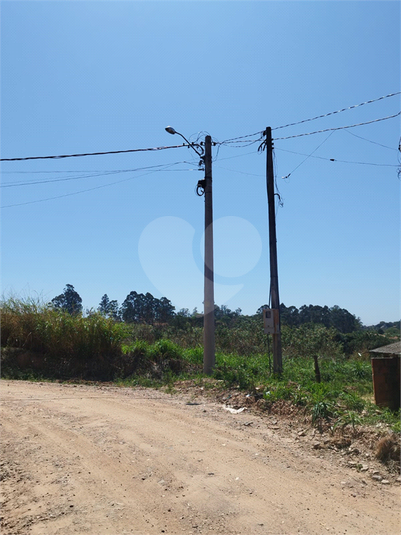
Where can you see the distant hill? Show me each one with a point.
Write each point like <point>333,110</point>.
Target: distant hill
<point>383,326</point>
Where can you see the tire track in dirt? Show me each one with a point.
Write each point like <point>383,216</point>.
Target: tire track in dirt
<point>89,460</point>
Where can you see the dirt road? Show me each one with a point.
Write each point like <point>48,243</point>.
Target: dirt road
<point>107,460</point>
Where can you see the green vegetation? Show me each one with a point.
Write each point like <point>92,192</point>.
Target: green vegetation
<point>51,341</point>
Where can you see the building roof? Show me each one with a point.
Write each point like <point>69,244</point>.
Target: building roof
<point>391,349</point>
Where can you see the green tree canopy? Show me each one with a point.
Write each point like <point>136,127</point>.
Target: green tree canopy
<point>144,308</point>
<point>69,301</point>
<point>109,308</point>
<point>336,317</point>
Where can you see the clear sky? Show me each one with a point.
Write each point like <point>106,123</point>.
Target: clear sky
<point>94,76</point>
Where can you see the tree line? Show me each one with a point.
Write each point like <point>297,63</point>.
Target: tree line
<point>147,309</point>
<point>136,308</point>
<point>336,317</point>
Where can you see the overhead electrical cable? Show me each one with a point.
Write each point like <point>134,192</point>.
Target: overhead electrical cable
<point>237,144</point>
<point>370,141</point>
<point>233,139</point>
<point>336,160</point>
<point>308,156</point>
<point>85,170</point>
<point>52,180</point>
<point>338,111</point>
<point>239,138</point>
<point>240,172</point>
<point>236,156</point>
<point>91,153</point>
<point>161,167</point>
<point>77,192</point>
<point>339,127</point>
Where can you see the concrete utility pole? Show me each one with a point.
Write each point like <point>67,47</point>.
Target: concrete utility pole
<point>275,300</point>
<point>205,186</point>
<point>208,302</point>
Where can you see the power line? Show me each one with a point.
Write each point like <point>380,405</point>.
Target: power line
<point>240,141</point>
<point>308,156</point>
<point>51,180</point>
<point>340,127</point>
<point>370,141</point>
<point>244,143</point>
<point>161,167</point>
<point>68,171</point>
<point>103,185</point>
<point>83,170</point>
<point>237,171</point>
<point>340,161</point>
<point>239,138</point>
<point>338,111</point>
<point>234,139</point>
<point>236,156</point>
<point>90,154</point>
<point>76,192</point>
<point>335,159</point>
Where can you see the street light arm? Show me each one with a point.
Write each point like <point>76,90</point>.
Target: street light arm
<point>172,131</point>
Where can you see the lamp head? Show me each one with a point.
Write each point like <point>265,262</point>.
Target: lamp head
<point>170,130</point>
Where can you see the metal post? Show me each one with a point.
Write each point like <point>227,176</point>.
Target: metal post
<point>208,303</point>
<point>275,300</point>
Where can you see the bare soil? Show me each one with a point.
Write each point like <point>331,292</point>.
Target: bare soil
<point>97,460</point>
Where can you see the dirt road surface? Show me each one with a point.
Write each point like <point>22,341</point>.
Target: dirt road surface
<point>106,460</point>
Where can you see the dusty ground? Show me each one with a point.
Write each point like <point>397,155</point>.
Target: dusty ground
<point>105,460</point>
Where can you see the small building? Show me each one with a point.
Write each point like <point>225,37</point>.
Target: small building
<point>386,375</point>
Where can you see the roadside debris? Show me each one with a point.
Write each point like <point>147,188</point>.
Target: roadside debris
<point>233,411</point>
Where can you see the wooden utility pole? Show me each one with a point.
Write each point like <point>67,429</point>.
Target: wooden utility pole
<point>208,302</point>
<point>274,295</point>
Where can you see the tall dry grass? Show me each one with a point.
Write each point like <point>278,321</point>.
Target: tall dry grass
<point>65,342</point>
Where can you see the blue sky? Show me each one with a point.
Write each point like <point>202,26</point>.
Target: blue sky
<point>94,76</point>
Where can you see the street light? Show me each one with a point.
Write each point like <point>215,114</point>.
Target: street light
<point>208,301</point>
<point>172,131</point>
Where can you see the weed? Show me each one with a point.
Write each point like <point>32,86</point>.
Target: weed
<point>279,391</point>
<point>348,418</point>
<point>300,397</point>
<point>322,411</point>
<point>351,401</point>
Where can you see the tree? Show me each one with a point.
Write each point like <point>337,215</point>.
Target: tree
<point>114,311</point>
<point>69,301</point>
<point>344,321</point>
<point>109,308</point>
<point>261,309</point>
<point>182,318</point>
<point>224,315</point>
<point>104,305</point>
<point>164,310</point>
<point>184,312</point>
<point>148,308</point>
<point>289,315</point>
<point>129,308</point>
<point>144,308</point>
